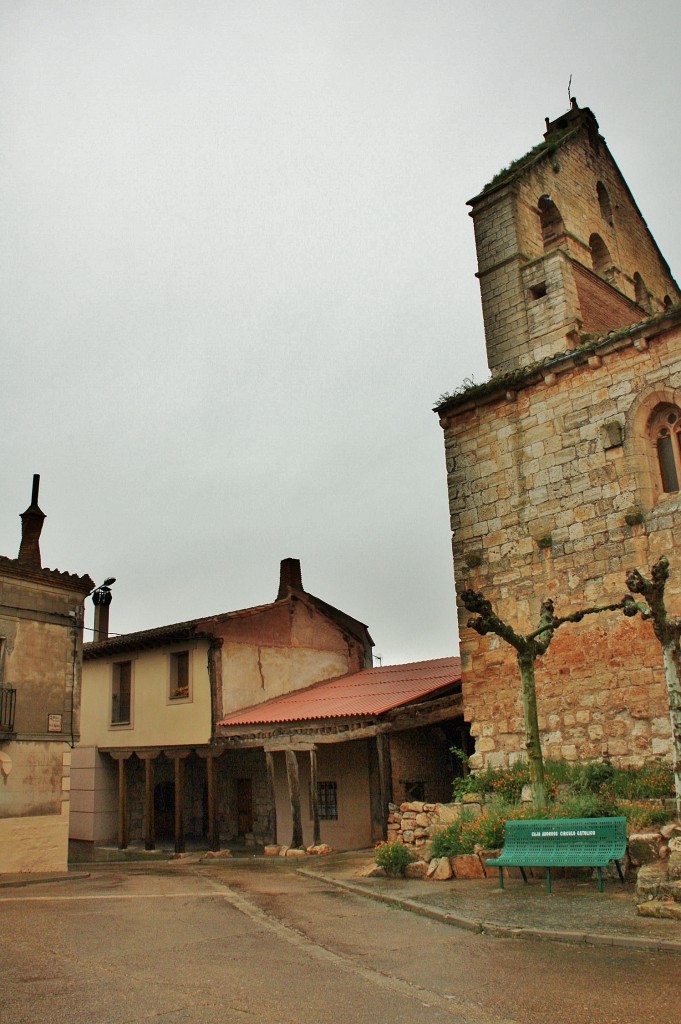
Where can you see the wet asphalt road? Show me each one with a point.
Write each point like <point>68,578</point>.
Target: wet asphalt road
<point>170,943</point>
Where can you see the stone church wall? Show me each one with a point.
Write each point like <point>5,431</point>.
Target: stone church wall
<point>553,493</point>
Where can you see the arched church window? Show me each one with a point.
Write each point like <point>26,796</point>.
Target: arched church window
<point>604,202</point>
<point>665,436</point>
<point>641,292</point>
<point>552,226</point>
<point>600,256</point>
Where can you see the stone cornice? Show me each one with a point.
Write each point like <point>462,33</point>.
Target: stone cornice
<point>506,386</point>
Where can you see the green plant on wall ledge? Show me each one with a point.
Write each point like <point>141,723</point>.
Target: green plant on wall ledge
<point>634,517</point>
<point>474,560</point>
<point>545,542</point>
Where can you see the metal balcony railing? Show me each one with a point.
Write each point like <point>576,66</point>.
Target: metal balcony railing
<point>8,699</point>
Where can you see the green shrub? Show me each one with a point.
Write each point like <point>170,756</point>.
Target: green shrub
<point>591,776</point>
<point>653,780</point>
<point>641,816</point>
<point>394,857</point>
<point>487,830</point>
<point>584,805</point>
<point>505,782</point>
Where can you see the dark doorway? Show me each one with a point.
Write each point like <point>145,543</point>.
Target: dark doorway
<point>244,806</point>
<point>164,809</point>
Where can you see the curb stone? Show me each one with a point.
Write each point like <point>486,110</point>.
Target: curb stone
<point>631,942</point>
<point>20,882</point>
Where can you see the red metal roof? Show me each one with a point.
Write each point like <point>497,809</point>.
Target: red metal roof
<point>371,692</point>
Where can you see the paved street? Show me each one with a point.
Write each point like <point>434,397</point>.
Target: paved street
<point>232,942</point>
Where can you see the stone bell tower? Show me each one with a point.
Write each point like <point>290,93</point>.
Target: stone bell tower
<point>563,250</point>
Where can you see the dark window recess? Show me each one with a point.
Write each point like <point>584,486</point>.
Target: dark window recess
<point>665,454</point>
<point>414,791</point>
<point>179,675</point>
<point>121,693</point>
<point>538,291</point>
<point>327,796</point>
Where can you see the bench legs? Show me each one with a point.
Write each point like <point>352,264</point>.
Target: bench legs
<point>501,877</point>
<point>548,877</point>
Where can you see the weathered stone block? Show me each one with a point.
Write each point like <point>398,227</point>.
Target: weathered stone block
<point>417,869</point>
<point>660,908</point>
<point>644,847</point>
<point>467,865</point>
<point>442,870</point>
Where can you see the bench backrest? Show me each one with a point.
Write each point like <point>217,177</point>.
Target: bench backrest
<point>570,840</point>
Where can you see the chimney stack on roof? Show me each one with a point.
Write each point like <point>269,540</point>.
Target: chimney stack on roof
<point>31,526</point>
<point>289,577</point>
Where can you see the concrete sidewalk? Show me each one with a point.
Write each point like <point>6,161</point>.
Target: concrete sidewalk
<point>575,912</point>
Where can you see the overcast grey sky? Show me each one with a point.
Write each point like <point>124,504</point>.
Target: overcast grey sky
<point>237,270</point>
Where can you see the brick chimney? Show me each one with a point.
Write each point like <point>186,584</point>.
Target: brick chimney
<point>289,576</point>
<point>31,526</point>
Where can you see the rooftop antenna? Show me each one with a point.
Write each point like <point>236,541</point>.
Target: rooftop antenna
<point>569,92</point>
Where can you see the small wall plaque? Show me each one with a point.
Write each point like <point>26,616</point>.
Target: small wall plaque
<point>54,723</point>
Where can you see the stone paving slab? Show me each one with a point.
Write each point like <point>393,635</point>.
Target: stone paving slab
<point>575,912</point>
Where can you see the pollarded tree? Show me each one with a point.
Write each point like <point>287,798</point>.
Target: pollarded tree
<point>668,632</point>
<point>528,648</point>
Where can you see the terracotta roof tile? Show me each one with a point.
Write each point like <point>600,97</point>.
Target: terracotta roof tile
<point>371,692</point>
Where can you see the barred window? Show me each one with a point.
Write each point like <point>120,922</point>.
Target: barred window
<point>327,798</point>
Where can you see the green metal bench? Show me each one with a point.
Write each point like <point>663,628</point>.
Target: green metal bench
<point>563,842</point>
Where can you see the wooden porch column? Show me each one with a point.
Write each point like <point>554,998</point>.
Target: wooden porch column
<point>179,804</point>
<point>122,805</point>
<point>385,778</point>
<point>149,825</point>
<point>213,825</point>
<point>314,798</point>
<point>269,761</point>
<point>294,794</point>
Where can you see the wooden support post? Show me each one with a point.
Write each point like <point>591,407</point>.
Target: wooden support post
<point>213,826</point>
<point>314,798</point>
<point>385,778</point>
<point>294,794</point>
<point>122,806</point>
<point>149,830</point>
<point>179,804</point>
<point>269,761</point>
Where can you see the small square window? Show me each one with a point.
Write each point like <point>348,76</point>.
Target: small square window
<point>121,693</point>
<point>414,790</point>
<point>179,676</point>
<point>538,291</point>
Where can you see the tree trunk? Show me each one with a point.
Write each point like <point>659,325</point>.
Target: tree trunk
<point>672,671</point>
<point>532,741</point>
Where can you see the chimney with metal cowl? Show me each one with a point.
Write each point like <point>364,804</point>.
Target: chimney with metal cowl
<point>31,526</point>
<point>289,577</point>
<point>101,599</point>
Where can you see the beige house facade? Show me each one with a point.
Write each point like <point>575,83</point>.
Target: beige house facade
<point>564,469</point>
<point>148,767</point>
<point>41,618</point>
